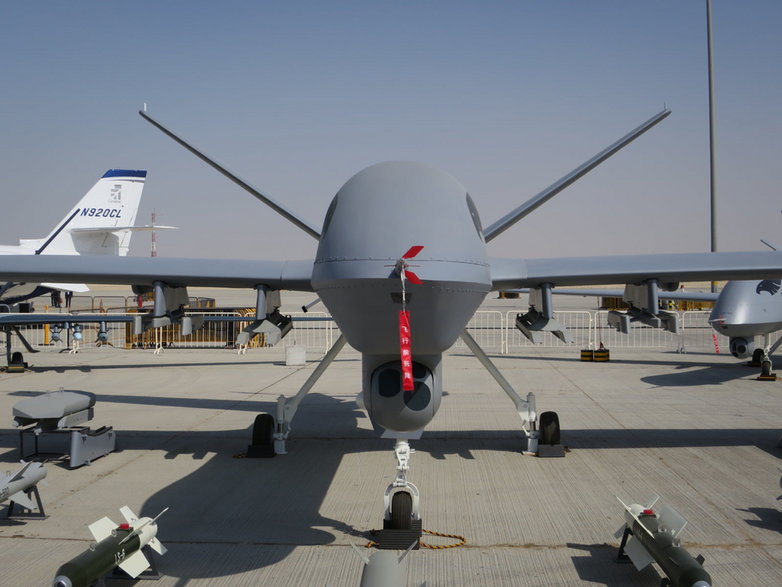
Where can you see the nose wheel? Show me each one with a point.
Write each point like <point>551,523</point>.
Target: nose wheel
<point>401,511</point>
<point>401,521</point>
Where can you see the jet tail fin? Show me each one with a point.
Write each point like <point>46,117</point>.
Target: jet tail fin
<point>97,225</point>
<point>513,217</point>
<point>279,208</point>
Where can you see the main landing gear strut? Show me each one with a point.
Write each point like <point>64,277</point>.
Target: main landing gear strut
<point>543,442</point>
<point>762,358</point>
<point>15,360</point>
<point>270,434</point>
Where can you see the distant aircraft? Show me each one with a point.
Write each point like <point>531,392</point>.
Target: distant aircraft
<point>101,223</point>
<point>402,266</point>
<point>743,311</point>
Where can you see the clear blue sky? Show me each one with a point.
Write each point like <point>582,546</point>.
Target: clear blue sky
<point>298,96</point>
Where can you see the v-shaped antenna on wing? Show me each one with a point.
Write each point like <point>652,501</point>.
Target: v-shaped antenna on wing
<point>513,217</point>
<point>279,208</point>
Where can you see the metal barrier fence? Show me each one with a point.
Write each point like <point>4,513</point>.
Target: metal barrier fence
<point>317,331</point>
<point>488,329</point>
<point>640,335</point>
<point>213,334</point>
<point>697,333</point>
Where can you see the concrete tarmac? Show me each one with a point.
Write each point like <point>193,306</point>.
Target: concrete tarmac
<point>696,429</point>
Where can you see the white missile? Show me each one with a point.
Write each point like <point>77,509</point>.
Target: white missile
<point>17,487</point>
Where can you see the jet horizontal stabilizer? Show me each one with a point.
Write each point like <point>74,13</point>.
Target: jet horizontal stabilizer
<point>145,228</point>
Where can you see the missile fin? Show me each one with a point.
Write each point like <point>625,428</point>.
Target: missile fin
<point>634,515</point>
<point>361,555</point>
<point>102,529</point>
<point>21,498</point>
<point>409,548</point>
<point>638,554</point>
<point>20,473</point>
<point>157,546</point>
<point>135,564</point>
<point>160,514</point>
<point>128,514</point>
<point>671,521</point>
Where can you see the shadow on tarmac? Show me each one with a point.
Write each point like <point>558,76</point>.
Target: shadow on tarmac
<point>252,512</point>
<point>767,518</point>
<point>592,567</point>
<point>685,373</point>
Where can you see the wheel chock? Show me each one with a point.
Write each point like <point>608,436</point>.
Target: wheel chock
<point>546,451</point>
<point>395,539</point>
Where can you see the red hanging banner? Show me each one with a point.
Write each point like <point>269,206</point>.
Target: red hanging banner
<point>404,351</point>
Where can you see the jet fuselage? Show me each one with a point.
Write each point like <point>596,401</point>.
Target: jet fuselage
<point>748,308</point>
<point>372,221</point>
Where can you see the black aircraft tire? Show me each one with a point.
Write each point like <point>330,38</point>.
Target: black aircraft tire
<point>549,428</point>
<point>757,356</point>
<point>263,430</point>
<point>17,358</point>
<point>401,511</point>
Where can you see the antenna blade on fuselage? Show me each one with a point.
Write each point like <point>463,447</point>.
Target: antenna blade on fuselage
<point>513,217</point>
<point>305,226</point>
